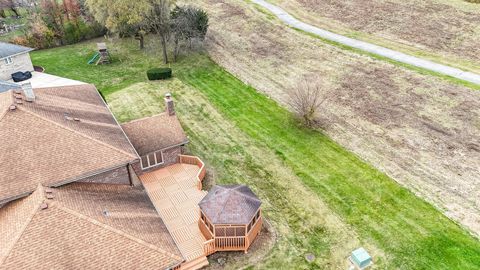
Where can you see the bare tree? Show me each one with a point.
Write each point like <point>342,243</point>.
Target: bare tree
<point>306,99</point>
<point>188,23</point>
<point>159,21</point>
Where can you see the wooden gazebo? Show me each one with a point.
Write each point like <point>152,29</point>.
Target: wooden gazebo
<point>230,218</point>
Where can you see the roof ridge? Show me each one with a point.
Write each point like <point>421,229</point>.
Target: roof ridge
<point>243,194</point>
<point>114,118</point>
<point>76,132</point>
<point>117,231</point>
<point>27,222</point>
<point>224,204</point>
<point>147,117</point>
<point>230,190</point>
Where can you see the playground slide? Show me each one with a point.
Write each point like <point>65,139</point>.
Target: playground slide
<point>91,61</point>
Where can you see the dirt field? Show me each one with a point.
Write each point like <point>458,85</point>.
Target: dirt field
<point>422,131</point>
<point>449,30</point>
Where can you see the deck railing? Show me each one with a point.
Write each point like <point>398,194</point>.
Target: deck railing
<point>192,160</point>
<point>209,247</point>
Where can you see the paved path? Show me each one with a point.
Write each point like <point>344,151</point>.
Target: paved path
<point>368,47</point>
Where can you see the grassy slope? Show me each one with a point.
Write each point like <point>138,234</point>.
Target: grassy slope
<point>413,233</point>
<point>301,220</point>
<point>410,233</point>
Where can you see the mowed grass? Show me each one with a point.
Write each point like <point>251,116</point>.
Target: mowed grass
<point>246,137</point>
<point>302,223</point>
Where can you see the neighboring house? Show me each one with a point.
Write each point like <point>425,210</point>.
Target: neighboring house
<point>14,58</point>
<point>155,153</point>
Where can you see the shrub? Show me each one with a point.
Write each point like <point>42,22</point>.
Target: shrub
<point>20,40</point>
<point>159,73</point>
<point>72,33</point>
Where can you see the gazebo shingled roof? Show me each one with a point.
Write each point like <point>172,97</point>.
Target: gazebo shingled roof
<point>230,204</point>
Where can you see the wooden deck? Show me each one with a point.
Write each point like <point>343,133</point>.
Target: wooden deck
<point>175,193</point>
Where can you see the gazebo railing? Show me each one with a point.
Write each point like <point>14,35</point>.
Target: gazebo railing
<point>254,231</point>
<point>227,237</point>
<point>192,160</point>
<point>230,243</point>
<point>205,231</point>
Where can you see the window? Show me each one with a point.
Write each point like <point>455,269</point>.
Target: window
<point>8,60</point>
<point>152,159</point>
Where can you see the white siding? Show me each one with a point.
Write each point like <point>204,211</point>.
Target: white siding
<point>20,62</point>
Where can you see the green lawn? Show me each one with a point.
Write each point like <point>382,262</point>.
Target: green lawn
<point>320,198</point>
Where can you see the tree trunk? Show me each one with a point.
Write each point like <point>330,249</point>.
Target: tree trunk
<point>66,10</point>
<point>141,39</point>
<point>163,39</point>
<point>176,50</point>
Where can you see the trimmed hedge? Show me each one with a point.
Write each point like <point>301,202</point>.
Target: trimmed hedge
<point>159,73</point>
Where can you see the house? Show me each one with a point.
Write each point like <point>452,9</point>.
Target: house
<point>14,58</point>
<point>143,135</point>
<point>78,191</point>
<point>85,226</point>
<point>68,187</point>
<point>66,134</point>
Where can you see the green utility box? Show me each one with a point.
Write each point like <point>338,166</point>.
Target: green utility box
<point>361,258</point>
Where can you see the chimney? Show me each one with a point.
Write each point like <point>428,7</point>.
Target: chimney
<point>170,108</point>
<point>28,92</point>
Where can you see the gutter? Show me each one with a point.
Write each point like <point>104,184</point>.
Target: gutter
<point>19,53</point>
<point>71,180</point>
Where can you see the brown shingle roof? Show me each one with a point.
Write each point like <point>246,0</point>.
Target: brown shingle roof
<point>44,144</point>
<point>6,100</point>
<point>73,233</point>
<point>128,209</point>
<point>14,217</point>
<point>155,133</point>
<point>230,204</point>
